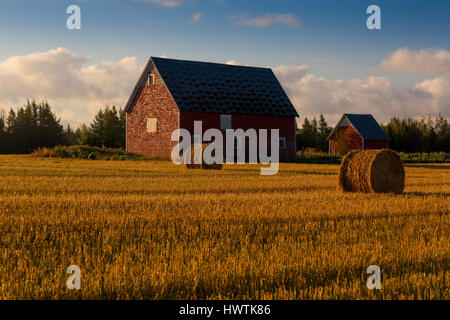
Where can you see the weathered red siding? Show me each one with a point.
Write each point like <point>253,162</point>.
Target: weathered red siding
<point>345,139</point>
<point>286,126</point>
<point>353,141</point>
<point>154,101</point>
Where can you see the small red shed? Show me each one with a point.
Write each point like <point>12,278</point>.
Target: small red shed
<point>357,132</point>
<point>171,94</point>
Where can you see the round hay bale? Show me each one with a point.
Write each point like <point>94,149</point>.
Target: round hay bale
<point>203,165</point>
<point>372,171</point>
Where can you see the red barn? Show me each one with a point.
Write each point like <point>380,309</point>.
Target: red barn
<point>172,94</point>
<point>357,132</point>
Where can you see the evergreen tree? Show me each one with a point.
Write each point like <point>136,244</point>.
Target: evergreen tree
<point>33,126</point>
<point>314,134</point>
<point>107,129</point>
<point>324,132</point>
<point>442,130</point>
<point>70,136</point>
<point>4,137</point>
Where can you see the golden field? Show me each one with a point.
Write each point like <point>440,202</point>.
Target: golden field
<point>153,230</point>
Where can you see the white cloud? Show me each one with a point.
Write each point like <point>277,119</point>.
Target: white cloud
<point>439,89</point>
<point>427,61</point>
<point>267,20</point>
<point>165,3</point>
<point>197,16</point>
<point>289,74</point>
<point>75,90</point>
<point>237,63</point>
<point>313,95</point>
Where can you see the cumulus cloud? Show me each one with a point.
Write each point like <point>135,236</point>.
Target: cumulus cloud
<point>289,74</point>
<point>74,89</point>
<point>312,95</point>
<point>237,63</point>
<point>196,16</point>
<point>267,20</point>
<point>427,61</point>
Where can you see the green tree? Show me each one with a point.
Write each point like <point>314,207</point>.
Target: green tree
<point>324,132</point>
<point>70,136</point>
<point>5,145</point>
<point>314,134</point>
<point>306,135</point>
<point>411,135</point>
<point>33,126</point>
<point>107,129</point>
<point>442,129</point>
<point>85,135</point>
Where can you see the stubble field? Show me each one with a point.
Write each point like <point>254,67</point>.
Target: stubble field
<point>153,230</point>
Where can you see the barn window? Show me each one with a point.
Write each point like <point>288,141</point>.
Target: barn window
<point>225,121</point>
<point>282,142</point>
<point>151,79</point>
<point>152,125</point>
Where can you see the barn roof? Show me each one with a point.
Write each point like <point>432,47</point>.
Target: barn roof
<point>364,124</point>
<point>220,88</point>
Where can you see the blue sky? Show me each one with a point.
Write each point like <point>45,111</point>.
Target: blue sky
<point>328,36</point>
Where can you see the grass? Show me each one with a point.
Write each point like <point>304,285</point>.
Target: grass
<point>318,157</point>
<point>102,153</point>
<point>153,230</point>
<point>323,157</point>
<point>433,157</point>
<point>89,153</point>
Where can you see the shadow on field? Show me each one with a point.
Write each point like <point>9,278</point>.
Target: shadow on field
<point>431,166</point>
<point>286,172</point>
<point>237,286</point>
<point>267,190</point>
<point>426,194</point>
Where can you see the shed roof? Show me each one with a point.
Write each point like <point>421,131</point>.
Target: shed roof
<point>220,88</point>
<point>364,124</point>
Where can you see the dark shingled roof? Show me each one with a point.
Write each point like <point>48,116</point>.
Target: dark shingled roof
<point>222,88</point>
<point>365,125</point>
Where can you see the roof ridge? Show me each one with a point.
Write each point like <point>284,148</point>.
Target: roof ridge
<point>198,86</point>
<point>367,130</point>
<point>208,62</point>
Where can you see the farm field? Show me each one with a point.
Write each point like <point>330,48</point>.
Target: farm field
<point>153,230</point>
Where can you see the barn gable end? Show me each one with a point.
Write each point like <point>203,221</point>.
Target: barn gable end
<point>172,94</point>
<point>151,118</point>
<point>356,132</point>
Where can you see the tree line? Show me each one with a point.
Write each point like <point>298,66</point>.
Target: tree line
<point>405,135</point>
<point>35,125</point>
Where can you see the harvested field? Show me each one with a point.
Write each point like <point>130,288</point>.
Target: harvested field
<point>153,230</point>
